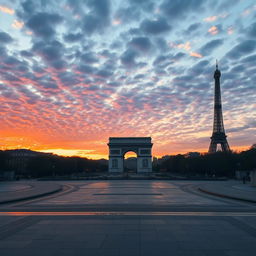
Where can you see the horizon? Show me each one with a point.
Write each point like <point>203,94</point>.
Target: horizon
<point>74,73</point>
<point>129,154</point>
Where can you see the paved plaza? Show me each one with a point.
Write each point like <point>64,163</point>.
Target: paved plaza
<point>127,218</point>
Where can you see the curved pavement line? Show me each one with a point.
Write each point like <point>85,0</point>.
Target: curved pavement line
<point>31,197</point>
<point>30,186</point>
<point>64,189</point>
<point>226,196</point>
<point>195,190</point>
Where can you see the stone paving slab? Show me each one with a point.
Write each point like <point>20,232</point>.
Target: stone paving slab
<point>28,190</point>
<point>231,189</point>
<point>143,236</point>
<point>128,193</point>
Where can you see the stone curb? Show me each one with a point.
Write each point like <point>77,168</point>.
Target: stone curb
<point>226,196</point>
<point>31,196</point>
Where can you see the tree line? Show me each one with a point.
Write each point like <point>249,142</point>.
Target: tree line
<point>220,164</point>
<point>43,165</point>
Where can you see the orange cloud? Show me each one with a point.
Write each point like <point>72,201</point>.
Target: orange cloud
<point>185,46</point>
<point>210,19</point>
<point>215,17</point>
<point>29,32</point>
<point>195,54</point>
<point>6,10</point>
<point>213,30</point>
<point>17,24</point>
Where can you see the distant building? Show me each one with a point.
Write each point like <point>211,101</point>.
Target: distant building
<point>163,158</point>
<point>219,136</point>
<point>18,159</point>
<point>155,161</point>
<point>192,154</point>
<point>119,146</point>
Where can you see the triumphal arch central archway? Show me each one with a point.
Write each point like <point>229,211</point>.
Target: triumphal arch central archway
<point>119,146</point>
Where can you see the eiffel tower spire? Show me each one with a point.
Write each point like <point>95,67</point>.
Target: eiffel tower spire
<point>218,134</point>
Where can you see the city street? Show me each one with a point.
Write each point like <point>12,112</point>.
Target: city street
<point>127,217</point>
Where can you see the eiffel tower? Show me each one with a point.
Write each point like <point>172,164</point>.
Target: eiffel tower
<point>218,134</point>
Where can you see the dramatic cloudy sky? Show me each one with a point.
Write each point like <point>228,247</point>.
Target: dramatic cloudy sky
<point>73,73</point>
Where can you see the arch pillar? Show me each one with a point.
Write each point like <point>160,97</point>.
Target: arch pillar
<point>118,146</point>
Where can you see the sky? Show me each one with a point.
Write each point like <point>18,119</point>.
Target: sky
<point>74,73</point>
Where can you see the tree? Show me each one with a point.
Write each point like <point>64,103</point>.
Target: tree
<point>253,146</point>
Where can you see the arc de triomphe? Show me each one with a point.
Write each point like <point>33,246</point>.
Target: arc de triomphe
<point>119,146</point>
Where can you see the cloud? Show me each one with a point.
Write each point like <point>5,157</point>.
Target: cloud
<point>210,18</point>
<point>249,125</point>
<point>186,46</point>
<point>128,58</point>
<point>160,44</point>
<point>213,30</point>
<point>142,44</point>
<point>176,9</point>
<point>5,38</point>
<point>11,61</point>
<point>192,28</point>
<point>123,80</point>
<point>249,59</point>
<point>89,57</point>
<point>6,10</point>
<point>51,52</point>
<point>155,27</point>
<point>43,24</point>
<point>104,73</point>
<point>142,3</point>
<point>251,30</point>
<point>98,17</point>
<point>244,48</point>
<point>29,6</point>
<point>238,68</point>
<point>248,10</point>
<point>99,7</point>
<point>214,18</point>
<point>199,67</point>
<point>160,60</point>
<point>230,30</point>
<point>127,14</point>
<point>209,47</point>
<point>73,37</point>
<point>17,24</point>
<point>27,54</point>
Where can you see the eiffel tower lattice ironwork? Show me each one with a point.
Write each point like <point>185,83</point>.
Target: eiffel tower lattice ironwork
<point>218,134</point>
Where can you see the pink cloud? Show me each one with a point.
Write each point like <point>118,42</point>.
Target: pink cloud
<point>213,30</point>
<point>6,10</point>
<point>195,54</point>
<point>185,46</point>
<point>211,18</point>
<point>116,22</point>
<point>230,30</point>
<point>17,24</point>
<point>215,17</point>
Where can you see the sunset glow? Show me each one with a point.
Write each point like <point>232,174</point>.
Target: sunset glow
<point>74,73</point>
